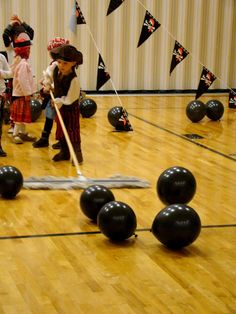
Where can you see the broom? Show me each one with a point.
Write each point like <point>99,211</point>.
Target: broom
<point>81,182</point>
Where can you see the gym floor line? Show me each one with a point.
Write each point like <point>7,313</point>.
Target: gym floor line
<point>47,235</point>
<point>184,137</point>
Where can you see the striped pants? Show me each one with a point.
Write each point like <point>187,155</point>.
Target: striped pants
<point>71,118</point>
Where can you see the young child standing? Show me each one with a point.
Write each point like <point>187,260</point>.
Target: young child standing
<point>15,27</point>
<point>62,76</point>
<point>49,111</point>
<point>23,88</point>
<point>5,73</point>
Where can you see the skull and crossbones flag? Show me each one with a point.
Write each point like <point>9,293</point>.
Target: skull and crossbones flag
<point>114,4</point>
<point>179,54</point>
<point>123,124</point>
<point>150,25</point>
<point>232,98</point>
<point>102,75</point>
<point>207,78</point>
<point>79,15</point>
<point>76,17</point>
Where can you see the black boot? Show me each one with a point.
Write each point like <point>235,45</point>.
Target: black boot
<point>64,153</point>
<point>57,145</point>
<point>43,141</point>
<point>2,153</point>
<point>78,152</point>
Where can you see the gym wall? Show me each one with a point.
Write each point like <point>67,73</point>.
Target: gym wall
<point>205,28</point>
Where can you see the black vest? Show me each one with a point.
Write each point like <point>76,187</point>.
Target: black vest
<point>62,85</point>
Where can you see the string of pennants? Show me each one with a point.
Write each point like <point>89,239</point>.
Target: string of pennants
<point>150,25</point>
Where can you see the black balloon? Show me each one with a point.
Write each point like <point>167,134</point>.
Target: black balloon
<point>11,181</point>
<point>176,185</point>
<point>117,221</point>
<point>176,226</point>
<point>93,198</point>
<point>88,107</point>
<point>214,109</point>
<point>36,109</point>
<point>116,118</point>
<point>114,115</point>
<point>196,110</point>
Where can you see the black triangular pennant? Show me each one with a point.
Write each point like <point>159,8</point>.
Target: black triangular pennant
<point>150,25</point>
<point>114,4</point>
<point>232,99</point>
<point>102,75</point>
<point>179,54</point>
<point>123,124</point>
<point>207,78</point>
<point>79,15</point>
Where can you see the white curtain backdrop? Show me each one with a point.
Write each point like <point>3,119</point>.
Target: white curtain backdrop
<point>206,28</point>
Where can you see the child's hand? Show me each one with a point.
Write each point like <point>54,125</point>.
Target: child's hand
<point>47,82</point>
<point>47,88</point>
<point>15,19</point>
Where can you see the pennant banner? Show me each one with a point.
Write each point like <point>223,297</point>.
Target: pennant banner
<point>207,78</point>
<point>179,54</point>
<point>114,4</point>
<point>124,124</point>
<point>79,15</point>
<point>102,75</point>
<point>127,124</point>
<point>76,17</point>
<point>232,99</point>
<point>150,25</point>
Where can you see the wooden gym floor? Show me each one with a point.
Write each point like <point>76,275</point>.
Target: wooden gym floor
<point>54,260</point>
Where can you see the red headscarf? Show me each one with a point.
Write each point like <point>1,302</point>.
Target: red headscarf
<point>22,46</point>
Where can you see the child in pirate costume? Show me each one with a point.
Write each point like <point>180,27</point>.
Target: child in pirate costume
<point>62,77</point>
<point>14,28</point>
<point>49,111</point>
<point>5,73</point>
<point>23,88</point>
<point>10,34</point>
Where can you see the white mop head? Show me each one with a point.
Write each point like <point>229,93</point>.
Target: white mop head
<point>62,183</point>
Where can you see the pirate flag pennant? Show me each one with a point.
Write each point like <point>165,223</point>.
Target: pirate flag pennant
<point>123,124</point>
<point>102,75</point>
<point>150,25</point>
<point>79,15</point>
<point>179,54</point>
<point>232,99</point>
<point>207,78</point>
<point>114,4</point>
<point>76,17</point>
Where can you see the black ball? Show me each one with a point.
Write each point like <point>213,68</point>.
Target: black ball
<point>93,198</point>
<point>88,107</point>
<point>116,116</point>
<point>36,109</point>
<point>117,221</point>
<point>11,181</point>
<point>214,109</point>
<point>196,110</point>
<point>176,226</point>
<point>176,185</point>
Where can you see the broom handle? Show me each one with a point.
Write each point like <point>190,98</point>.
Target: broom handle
<point>68,141</point>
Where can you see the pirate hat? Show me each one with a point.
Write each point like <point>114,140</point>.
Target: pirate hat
<point>57,42</point>
<point>67,53</point>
